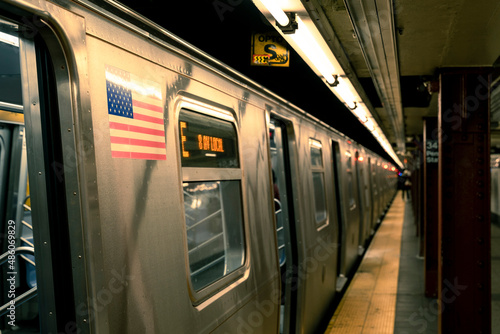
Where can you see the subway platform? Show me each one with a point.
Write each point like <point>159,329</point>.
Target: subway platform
<point>386,295</point>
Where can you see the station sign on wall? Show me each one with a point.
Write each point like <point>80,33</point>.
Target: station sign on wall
<point>270,49</point>
<point>432,151</point>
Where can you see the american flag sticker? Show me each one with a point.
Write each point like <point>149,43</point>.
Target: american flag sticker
<point>135,110</point>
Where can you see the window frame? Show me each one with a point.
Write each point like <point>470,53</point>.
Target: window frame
<point>211,174</point>
<point>349,166</point>
<point>321,170</point>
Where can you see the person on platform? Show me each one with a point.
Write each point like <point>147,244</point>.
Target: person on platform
<point>406,185</point>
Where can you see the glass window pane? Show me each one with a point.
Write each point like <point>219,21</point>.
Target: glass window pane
<point>10,70</point>
<point>316,156</point>
<point>319,196</point>
<point>350,189</point>
<point>214,227</point>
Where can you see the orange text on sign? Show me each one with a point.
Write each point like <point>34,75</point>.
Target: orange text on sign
<point>209,143</point>
<point>183,125</point>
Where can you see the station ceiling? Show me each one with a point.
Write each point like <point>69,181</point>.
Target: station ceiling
<point>426,36</point>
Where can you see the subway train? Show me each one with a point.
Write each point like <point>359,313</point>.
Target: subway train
<point>148,188</point>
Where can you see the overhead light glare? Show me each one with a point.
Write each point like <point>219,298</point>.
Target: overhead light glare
<point>276,11</point>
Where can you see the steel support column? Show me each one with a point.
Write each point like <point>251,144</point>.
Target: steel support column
<point>464,286</point>
<point>430,199</point>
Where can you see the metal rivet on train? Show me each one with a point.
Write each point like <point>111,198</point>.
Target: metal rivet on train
<point>79,257</point>
<point>69,130</point>
<point>74,193</point>
<point>39,173</point>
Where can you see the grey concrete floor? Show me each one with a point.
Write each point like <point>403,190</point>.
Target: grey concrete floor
<point>414,312</point>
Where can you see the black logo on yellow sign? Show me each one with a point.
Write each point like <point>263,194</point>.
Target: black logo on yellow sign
<point>269,49</point>
<point>260,59</point>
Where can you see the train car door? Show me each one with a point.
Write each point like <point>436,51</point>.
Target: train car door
<point>31,145</point>
<point>337,172</point>
<point>285,228</point>
<point>351,207</point>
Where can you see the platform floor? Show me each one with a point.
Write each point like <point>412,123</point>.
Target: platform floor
<point>387,293</point>
<point>369,303</point>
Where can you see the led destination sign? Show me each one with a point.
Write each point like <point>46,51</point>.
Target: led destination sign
<point>207,141</point>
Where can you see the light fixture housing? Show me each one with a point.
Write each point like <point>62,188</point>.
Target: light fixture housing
<point>292,25</point>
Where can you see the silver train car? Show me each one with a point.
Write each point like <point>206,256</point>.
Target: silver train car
<point>147,188</point>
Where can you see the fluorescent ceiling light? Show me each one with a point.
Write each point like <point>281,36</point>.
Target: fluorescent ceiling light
<point>369,125</point>
<point>275,10</point>
<point>347,94</point>
<point>307,43</point>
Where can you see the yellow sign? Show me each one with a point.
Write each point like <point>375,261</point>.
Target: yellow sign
<point>270,49</point>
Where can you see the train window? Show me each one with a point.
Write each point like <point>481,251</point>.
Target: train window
<point>318,178</point>
<point>316,154</point>
<point>214,230</point>
<point>350,181</point>
<point>212,197</point>
<point>10,69</point>
<point>374,178</point>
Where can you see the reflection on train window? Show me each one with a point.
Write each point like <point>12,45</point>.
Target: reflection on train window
<point>214,228</point>
<point>318,178</point>
<point>316,156</point>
